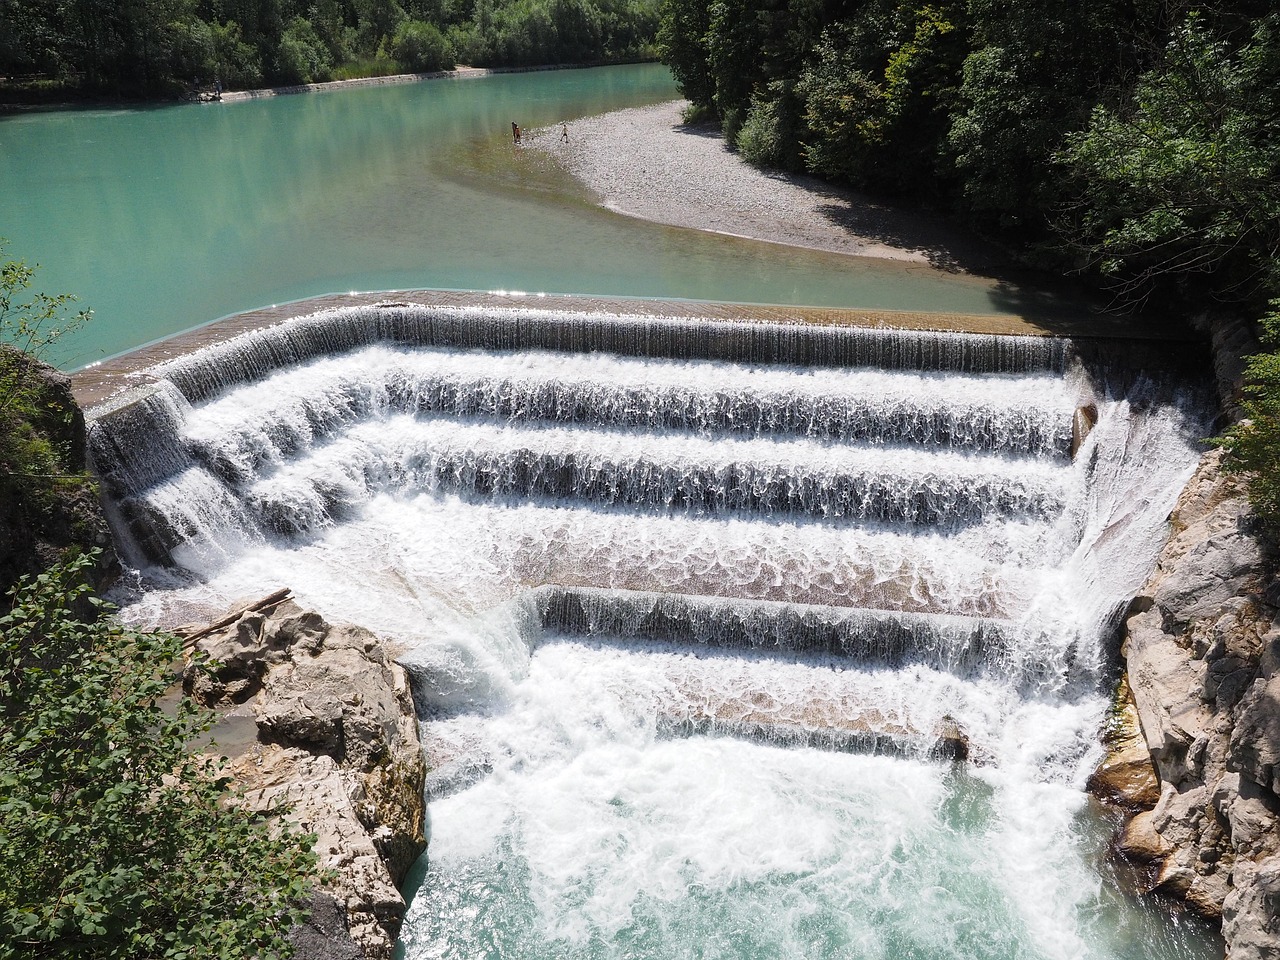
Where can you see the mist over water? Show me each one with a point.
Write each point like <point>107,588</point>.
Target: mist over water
<point>697,639</point>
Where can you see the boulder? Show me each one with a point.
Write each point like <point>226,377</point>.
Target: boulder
<point>1202,657</point>
<point>1249,914</point>
<point>1126,777</point>
<point>337,740</point>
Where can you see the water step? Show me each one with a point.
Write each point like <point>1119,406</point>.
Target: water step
<point>1008,413</point>
<point>655,473</point>
<point>257,354</point>
<point>955,644</point>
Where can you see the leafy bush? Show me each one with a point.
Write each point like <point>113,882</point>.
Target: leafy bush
<point>468,44</point>
<point>758,140</point>
<point>234,62</point>
<point>115,842</point>
<point>302,57</point>
<point>1253,444</point>
<point>1185,179</point>
<point>421,47</point>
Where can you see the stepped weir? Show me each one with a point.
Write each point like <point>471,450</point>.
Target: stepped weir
<point>673,588</point>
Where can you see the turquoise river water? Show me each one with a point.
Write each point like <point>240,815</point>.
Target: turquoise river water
<point>164,218</point>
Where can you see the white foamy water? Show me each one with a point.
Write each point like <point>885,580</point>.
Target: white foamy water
<point>697,784</point>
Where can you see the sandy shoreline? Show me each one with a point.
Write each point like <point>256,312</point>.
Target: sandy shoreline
<point>645,162</point>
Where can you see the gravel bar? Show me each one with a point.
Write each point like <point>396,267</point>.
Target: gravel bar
<point>646,162</point>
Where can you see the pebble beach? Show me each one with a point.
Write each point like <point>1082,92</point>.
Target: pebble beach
<point>647,163</point>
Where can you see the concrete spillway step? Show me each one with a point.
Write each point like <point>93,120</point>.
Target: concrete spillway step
<point>259,353</point>
<point>652,690</point>
<point>653,472</point>
<point>955,644</point>
<point>158,435</point>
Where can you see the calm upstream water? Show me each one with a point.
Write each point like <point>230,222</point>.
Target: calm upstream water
<point>690,622</point>
<point>164,218</point>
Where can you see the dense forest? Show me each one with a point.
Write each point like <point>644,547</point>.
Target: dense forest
<point>1136,138</point>
<point>157,48</point>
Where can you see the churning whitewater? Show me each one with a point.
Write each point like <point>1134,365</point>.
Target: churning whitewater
<point>731,640</point>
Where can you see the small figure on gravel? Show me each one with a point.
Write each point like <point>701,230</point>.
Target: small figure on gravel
<point>515,132</point>
<point>564,133</point>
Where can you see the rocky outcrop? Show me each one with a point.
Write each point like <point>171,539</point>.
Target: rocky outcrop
<point>1202,652</point>
<point>320,717</point>
<point>48,502</point>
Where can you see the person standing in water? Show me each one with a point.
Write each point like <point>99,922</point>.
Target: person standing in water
<point>564,133</point>
<point>515,132</point>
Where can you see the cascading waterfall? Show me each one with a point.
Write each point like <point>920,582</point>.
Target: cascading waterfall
<point>704,616</point>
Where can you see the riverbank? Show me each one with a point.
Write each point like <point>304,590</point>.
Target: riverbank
<point>457,73</point>
<point>207,95</point>
<point>648,163</point>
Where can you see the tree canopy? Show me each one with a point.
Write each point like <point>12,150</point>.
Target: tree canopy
<point>1134,138</point>
<point>155,48</point>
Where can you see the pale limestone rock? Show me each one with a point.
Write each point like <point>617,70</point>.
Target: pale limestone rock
<point>337,738</point>
<point>1201,652</point>
<point>1126,777</point>
<point>1251,912</point>
<point>1140,841</point>
<point>1255,741</point>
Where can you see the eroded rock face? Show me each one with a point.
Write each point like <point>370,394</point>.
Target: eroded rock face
<point>334,734</point>
<point>1203,661</point>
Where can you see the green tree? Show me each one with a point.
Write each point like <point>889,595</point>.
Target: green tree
<point>682,40</point>
<point>879,92</point>
<point>233,61</point>
<point>1253,444</point>
<point>302,57</point>
<point>1184,178</point>
<point>421,47</point>
<point>1036,70</point>
<point>115,842</point>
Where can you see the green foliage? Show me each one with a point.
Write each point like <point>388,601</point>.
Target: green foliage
<point>302,57</point>
<point>32,322</point>
<point>39,465</point>
<point>162,47</point>
<point>115,842</point>
<point>233,62</point>
<point>378,21</point>
<point>1185,178</point>
<point>421,47</point>
<point>1035,71</point>
<point>1253,444</point>
<point>379,65</point>
<point>759,139</point>
<point>682,40</point>
<point>880,88</point>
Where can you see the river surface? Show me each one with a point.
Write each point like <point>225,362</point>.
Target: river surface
<point>164,218</point>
